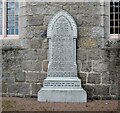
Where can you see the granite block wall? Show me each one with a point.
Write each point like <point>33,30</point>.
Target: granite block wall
<point>25,60</point>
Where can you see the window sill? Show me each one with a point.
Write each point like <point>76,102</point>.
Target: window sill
<point>112,44</point>
<point>14,43</point>
<point>115,36</point>
<point>9,37</point>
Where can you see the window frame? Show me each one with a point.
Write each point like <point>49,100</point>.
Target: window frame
<point>4,23</point>
<point>112,36</point>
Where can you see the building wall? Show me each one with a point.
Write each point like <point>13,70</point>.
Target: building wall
<point>25,59</point>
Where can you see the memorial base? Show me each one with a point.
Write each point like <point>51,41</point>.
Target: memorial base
<point>66,91</point>
<point>62,95</point>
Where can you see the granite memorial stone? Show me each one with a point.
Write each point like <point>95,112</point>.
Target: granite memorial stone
<point>62,83</point>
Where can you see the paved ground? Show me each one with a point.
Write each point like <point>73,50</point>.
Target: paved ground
<point>31,104</point>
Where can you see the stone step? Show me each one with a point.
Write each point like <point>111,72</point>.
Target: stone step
<point>63,82</point>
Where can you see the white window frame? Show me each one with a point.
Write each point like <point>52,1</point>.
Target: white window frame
<point>4,20</point>
<point>113,36</point>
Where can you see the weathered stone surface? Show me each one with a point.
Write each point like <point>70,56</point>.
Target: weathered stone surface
<point>36,88</point>
<point>115,89</point>
<point>88,20</point>
<point>15,44</point>
<point>114,77</point>
<point>89,89</point>
<point>112,66</point>
<point>45,65</point>
<point>66,8</point>
<point>101,90</point>
<point>21,88</point>
<point>29,54</point>
<point>42,54</point>
<point>85,31</point>
<point>106,98</point>
<point>106,18</point>
<point>79,66</point>
<point>94,20</point>
<point>0,64</point>
<point>36,43</point>
<point>82,54</point>
<point>33,32</point>
<point>11,64</point>
<point>91,8</point>
<point>98,32</point>
<point>32,77</point>
<point>74,9</point>
<point>96,97</point>
<point>35,77</point>
<point>95,54</point>
<point>33,3</point>
<point>82,76</point>
<point>42,77</point>
<point>35,20</point>
<point>88,43</point>
<point>1,74</point>
<point>100,66</point>
<point>8,78</point>
<point>47,19</point>
<point>0,55</point>
<point>31,65</point>
<point>4,55</point>
<point>97,91</point>
<point>22,11</point>
<point>30,10</point>
<point>86,66</point>
<point>23,21</point>
<point>94,78</point>
<point>24,33</point>
<point>80,21</point>
<point>12,54</point>
<point>105,78</point>
<point>4,87</point>
<point>45,44</point>
<point>19,76</point>
<point>99,43</point>
<point>47,9</point>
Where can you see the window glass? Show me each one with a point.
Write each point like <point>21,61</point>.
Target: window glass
<point>12,17</point>
<point>115,17</point>
<point>0,17</point>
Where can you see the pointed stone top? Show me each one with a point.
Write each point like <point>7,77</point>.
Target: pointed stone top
<point>59,15</point>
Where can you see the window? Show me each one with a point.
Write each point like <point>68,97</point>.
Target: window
<point>0,18</point>
<point>9,12</point>
<point>115,18</point>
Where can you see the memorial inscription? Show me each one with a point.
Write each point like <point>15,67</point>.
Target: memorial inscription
<point>62,52</point>
<point>61,40</point>
<point>62,83</point>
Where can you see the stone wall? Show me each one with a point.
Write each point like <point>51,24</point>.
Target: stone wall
<point>25,60</point>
